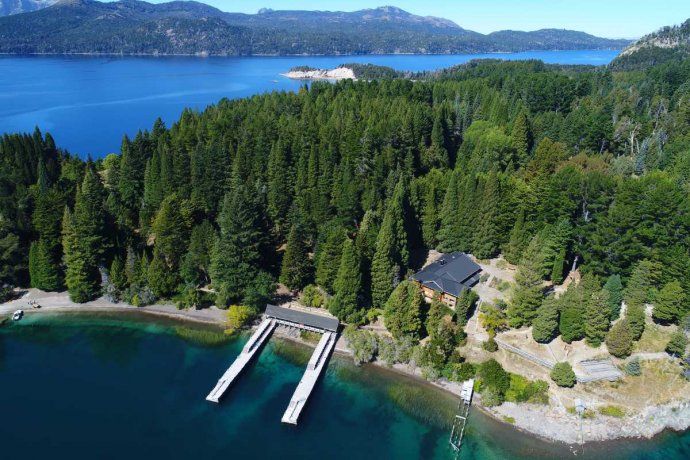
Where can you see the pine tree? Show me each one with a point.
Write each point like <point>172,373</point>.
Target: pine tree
<point>196,264</point>
<point>81,277</point>
<point>465,304</point>
<point>636,317</point>
<point>392,253</point>
<point>403,311</point>
<point>521,138</point>
<point>677,344</point>
<point>488,237</point>
<point>238,251</point>
<point>43,269</point>
<point>529,290</point>
<point>614,286</point>
<point>449,231</point>
<point>619,340</point>
<point>545,325</point>
<point>519,239</point>
<point>328,256</point>
<point>669,303</point>
<point>279,188</point>
<point>642,283</point>
<point>346,303</point>
<point>84,240</point>
<point>597,320</point>
<point>297,269</point>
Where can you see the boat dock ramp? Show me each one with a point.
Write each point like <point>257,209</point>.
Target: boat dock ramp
<point>458,430</point>
<point>274,316</point>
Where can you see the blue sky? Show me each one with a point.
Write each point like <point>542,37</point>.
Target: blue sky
<point>605,18</point>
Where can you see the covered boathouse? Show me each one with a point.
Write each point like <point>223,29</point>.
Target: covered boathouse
<point>446,278</point>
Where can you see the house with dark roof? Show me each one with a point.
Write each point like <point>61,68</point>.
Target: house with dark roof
<point>446,278</point>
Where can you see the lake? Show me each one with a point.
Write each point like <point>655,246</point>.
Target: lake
<point>89,103</point>
<point>85,387</point>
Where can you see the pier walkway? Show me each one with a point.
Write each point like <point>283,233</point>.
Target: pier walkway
<point>311,375</point>
<point>250,348</point>
<point>291,318</point>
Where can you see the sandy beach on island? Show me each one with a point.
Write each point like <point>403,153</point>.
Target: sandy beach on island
<point>551,423</point>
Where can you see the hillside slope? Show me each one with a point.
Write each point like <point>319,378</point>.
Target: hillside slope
<point>669,43</point>
<point>8,7</point>
<point>133,27</point>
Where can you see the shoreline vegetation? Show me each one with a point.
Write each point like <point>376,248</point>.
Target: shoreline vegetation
<point>527,418</point>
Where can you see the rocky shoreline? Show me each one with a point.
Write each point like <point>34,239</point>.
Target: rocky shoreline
<point>340,73</point>
<point>551,423</point>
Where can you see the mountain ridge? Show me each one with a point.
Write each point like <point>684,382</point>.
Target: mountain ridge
<point>666,44</point>
<point>181,27</point>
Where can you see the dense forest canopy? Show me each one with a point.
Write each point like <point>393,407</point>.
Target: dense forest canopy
<point>345,185</point>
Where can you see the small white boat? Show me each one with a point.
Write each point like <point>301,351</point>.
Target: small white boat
<point>17,315</point>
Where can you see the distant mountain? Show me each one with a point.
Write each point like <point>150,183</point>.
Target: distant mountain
<point>8,7</point>
<point>669,43</point>
<point>136,27</point>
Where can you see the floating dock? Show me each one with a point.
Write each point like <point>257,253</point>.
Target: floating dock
<point>311,375</point>
<point>250,348</point>
<point>460,419</point>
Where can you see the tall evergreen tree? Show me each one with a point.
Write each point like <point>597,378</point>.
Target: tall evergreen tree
<point>670,303</point>
<point>328,256</point>
<point>597,320</point>
<point>84,240</point>
<point>545,325</point>
<point>529,286</point>
<point>240,246</point>
<point>614,286</point>
<point>403,311</point>
<point>392,249</point>
<point>449,237</point>
<point>297,269</point>
<point>346,303</point>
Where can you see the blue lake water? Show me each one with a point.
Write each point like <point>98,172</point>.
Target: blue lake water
<point>114,387</point>
<point>89,103</point>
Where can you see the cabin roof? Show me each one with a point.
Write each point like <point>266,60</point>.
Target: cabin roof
<point>451,273</point>
<point>299,317</point>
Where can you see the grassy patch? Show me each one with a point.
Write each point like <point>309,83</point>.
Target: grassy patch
<point>203,337</point>
<point>510,420</point>
<point>309,336</point>
<point>612,411</point>
<point>589,413</point>
<point>524,390</point>
<point>653,340</point>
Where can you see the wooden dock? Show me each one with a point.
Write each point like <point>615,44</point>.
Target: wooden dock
<point>250,348</point>
<point>460,420</point>
<point>316,364</point>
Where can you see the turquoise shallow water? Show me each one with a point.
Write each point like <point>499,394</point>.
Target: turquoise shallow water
<point>102,387</point>
<point>89,103</point>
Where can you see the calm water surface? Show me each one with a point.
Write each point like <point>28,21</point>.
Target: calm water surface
<point>88,103</point>
<point>83,387</point>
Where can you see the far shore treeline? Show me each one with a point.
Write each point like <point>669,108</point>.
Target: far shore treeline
<point>346,186</point>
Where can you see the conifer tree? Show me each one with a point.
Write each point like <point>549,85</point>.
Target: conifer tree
<point>449,232</point>
<point>328,256</point>
<point>238,251</point>
<point>669,303</point>
<point>545,324</point>
<point>518,241</point>
<point>619,340</point>
<point>529,290</point>
<point>614,286</point>
<point>636,318</point>
<point>196,264</point>
<point>643,282</point>
<point>465,304</point>
<point>297,268</point>
<point>597,320</point>
<point>84,240</point>
<point>43,269</point>
<point>487,239</point>
<point>346,303</point>
<point>280,188</point>
<point>403,311</point>
<point>521,138</point>
<point>392,250</point>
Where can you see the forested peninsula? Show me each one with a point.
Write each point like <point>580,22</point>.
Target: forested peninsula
<point>577,177</point>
